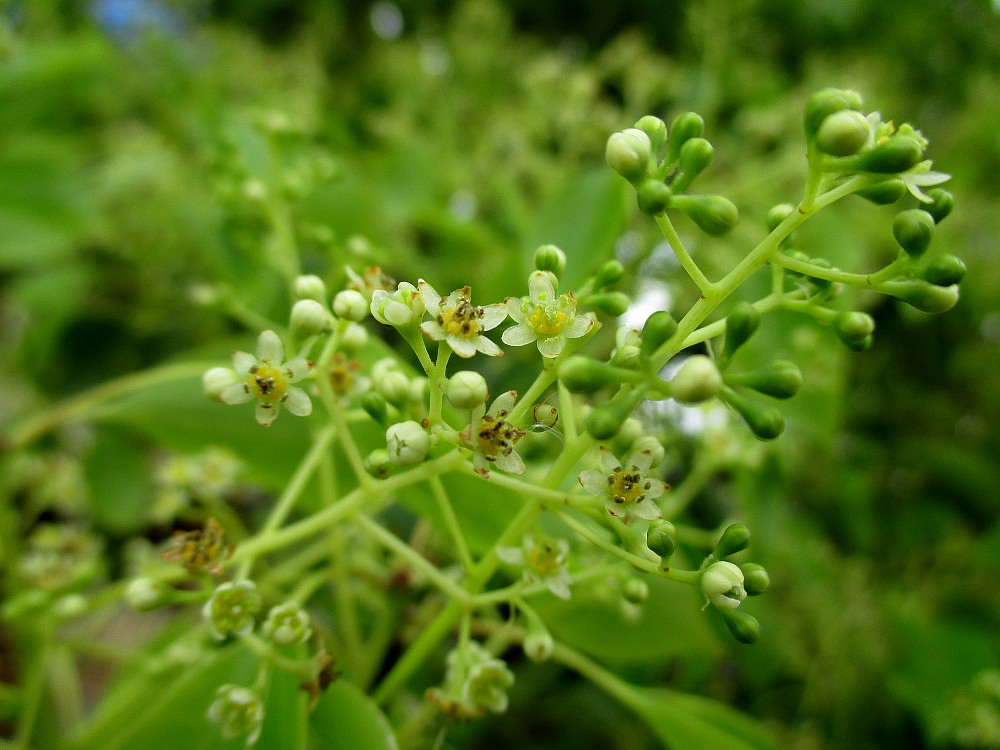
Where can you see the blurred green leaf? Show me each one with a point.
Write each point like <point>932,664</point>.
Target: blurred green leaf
<point>347,719</point>
<point>118,478</point>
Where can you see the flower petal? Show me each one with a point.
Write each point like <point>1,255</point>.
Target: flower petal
<point>647,510</point>
<point>432,300</point>
<point>642,460</point>
<point>541,287</point>
<point>656,488</point>
<point>396,313</point>
<point>515,309</point>
<point>559,585</point>
<point>433,329</point>
<point>608,461</point>
<point>504,402</point>
<point>236,393</point>
<point>580,325</point>
<point>493,315</point>
<point>518,335</point>
<point>551,346</point>
<point>512,555</point>
<point>512,463</point>
<point>296,369</point>
<point>269,348</point>
<point>594,482</point>
<point>487,347</point>
<point>462,346</point>
<point>297,402</point>
<point>243,362</point>
<point>266,413</point>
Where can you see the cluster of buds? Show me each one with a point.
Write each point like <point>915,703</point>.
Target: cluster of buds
<point>475,682</point>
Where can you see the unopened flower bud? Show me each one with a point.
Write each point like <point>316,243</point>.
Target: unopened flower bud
<point>735,538</point>
<point>897,153</point>
<point>922,295</point>
<point>378,463</point>
<point>913,230</point>
<point>715,214</point>
<point>942,206</point>
<point>309,318</point>
<point>742,625</point>
<point>287,624</point>
<point>609,274</point>
<point>239,710</point>
<point>550,258</point>
<point>653,196</point>
<point>661,538</point>
<point>779,379</point>
<point>467,389</point>
<point>722,584</point>
<point>658,327</point>
<point>697,380</point>
<point>884,193</point>
<point>407,443</point>
<point>310,287</point>
<point>216,380</point>
<point>741,323</point>
<point>824,103</point>
<point>656,129</point>
<point>610,303</point>
<point>629,153</point>
<point>843,133</point>
<point>546,415</point>
<point>604,421</point>
<point>764,421</point>
<point>146,594</point>
<point>778,214</point>
<point>685,126</point>
<point>696,154</point>
<point>635,590</point>
<point>538,644</point>
<point>854,329</point>
<point>375,405</point>
<point>630,431</point>
<point>652,446</point>
<point>755,579</point>
<point>944,270</point>
<point>394,387</point>
<point>585,375</point>
<point>353,338</point>
<point>350,304</point>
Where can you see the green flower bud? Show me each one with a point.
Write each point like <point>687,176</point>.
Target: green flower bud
<point>146,594</point>
<point>374,403</point>
<point>944,203</point>
<point>764,421</point>
<point>722,584</point>
<point>685,126</point>
<point>467,389</point>
<point>309,318</point>
<point>913,230</point>
<point>656,129</point>
<point>928,298</point>
<point>697,380</point>
<point>741,323</point>
<point>216,380</point>
<point>239,710</point>
<point>538,644</point>
<point>586,375</point>
<point>629,153</point>
<point>854,329</point>
<point>652,446</point>
<point>780,379</point>
<point>843,133</point>
<point>232,608</point>
<point>609,274</point>
<point>662,538</point>
<point>755,579</point>
<point>778,214</point>
<point>743,626</point>
<point>550,258</point>
<point>897,153</point>
<point>394,386</point>
<point>545,415</point>
<point>653,196</point>
<point>407,443</point>
<point>735,538</point>
<point>884,193</point>
<point>604,421</point>
<point>635,590</point>
<point>353,338</point>
<point>696,154</point>
<point>350,304</point>
<point>713,213</point>
<point>287,624</point>
<point>658,327</point>
<point>610,303</point>
<point>824,103</point>
<point>944,270</point>
<point>379,463</point>
<point>310,287</point>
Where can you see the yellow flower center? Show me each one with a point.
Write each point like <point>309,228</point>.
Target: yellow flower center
<point>342,374</point>
<point>462,320</point>
<point>627,486</point>
<point>496,436</point>
<point>544,560</point>
<point>267,383</point>
<point>546,319</point>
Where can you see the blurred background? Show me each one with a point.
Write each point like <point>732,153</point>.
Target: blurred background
<point>447,140</point>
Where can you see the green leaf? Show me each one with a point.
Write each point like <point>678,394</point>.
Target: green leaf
<point>347,719</point>
<point>118,480</point>
<point>286,714</point>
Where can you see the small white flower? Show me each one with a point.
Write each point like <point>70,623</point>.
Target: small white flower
<point>493,438</point>
<point>268,379</point>
<point>544,317</point>
<point>401,308</point>
<point>460,323</point>
<point>544,561</point>
<point>240,711</point>
<point>627,493</point>
<point>722,583</point>
<point>921,176</point>
<point>232,609</point>
<point>287,624</point>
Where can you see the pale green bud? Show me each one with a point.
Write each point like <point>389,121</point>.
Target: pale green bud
<point>467,389</point>
<point>658,327</point>
<point>653,196</point>
<point>635,590</point>
<point>722,584</point>
<point>545,415</point>
<point>780,379</point>
<point>651,445</point>
<point>926,297</point>
<point>685,126</point>
<point>287,624</point>
<point>629,153</point>
<point>584,375</point>
<point>942,206</point>
<point>354,338</point>
<point>764,421</point>
<point>697,380</point>
<point>715,214</point>
<point>610,273</point>
<point>913,230</point>
<point>550,258</point>
<point>735,538</point>
<point>350,304</point>
<point>656,129</point>
<point>661,538</point>
<point>309,318</point>
<point>631,431</point>
<point>944,270</point>
<point>538,644</point>
<point>378,463</point>
<point>216,380</point>
<point>394,386</point>
<point>310,287</point>
<point>843,133</point>
<point>755,579</point>
<point>407,443</point>
<point>146,594</point>
<point>743,626</point>
<point>824,103</point>
<point>778,214</point>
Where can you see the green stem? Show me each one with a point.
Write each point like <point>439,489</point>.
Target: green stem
<point>438,382</point>
<point>545,379</point>
<point>687,262</point>
<point>451,521</point>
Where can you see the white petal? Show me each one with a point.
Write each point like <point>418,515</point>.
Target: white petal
<point>432,329</point>
<point>559,585</point>
<point>656,488</point>
<point>641,460</point>
<point>647,510</point>
<point>380,297</point>
<point>396,313</point>
<point>504,402</point>
<point>608,461</point>
<point>236,393</point>
<point>462,346</point>
<point>493,315</point>
<point>269,348</point>
<point>297,402</point>
<point>518,335</point>
<point>512,555</point>
<point>581,325</point>
<point>594,482</point>
<point>487,347</point>
<point>541,287</point>
<point>243,362</point>
<point>266,413</point>
<point>515,309</point>
<point>481,465</point>
<point>551,346</point>
<point>297,369</point>
<point>512,463</point>
<point>432,300</point>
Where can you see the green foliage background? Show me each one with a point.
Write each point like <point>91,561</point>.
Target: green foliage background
<point>454,151</point>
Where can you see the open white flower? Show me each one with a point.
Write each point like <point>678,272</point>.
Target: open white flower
<point>545,317</point>
<point>627,493</point>
<point>493,438</point>
<point>403,307</point>
<point>460,323</point>
<point>268,380</point>
<point>544,561</point>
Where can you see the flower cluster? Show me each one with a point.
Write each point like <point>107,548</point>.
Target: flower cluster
<point>475,682</point>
